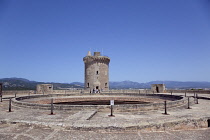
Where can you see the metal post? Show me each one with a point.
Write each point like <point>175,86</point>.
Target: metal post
<point>1,91</point>
<point>165,108</point>
<point>111,110</point>
<point>111,115</point>
<point>185,94</point>
<point>51,107</point>
<point>15,95</point>
<point>111,105</point>
<point>196,98</point>
<point>10,105</point>
<point>188,104</point>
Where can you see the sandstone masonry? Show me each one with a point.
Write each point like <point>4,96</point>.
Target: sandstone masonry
<point>158,88</point>
<point>44,89</point>
<point>96,72</point>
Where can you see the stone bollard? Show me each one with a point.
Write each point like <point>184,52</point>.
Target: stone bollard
<point>10,105</point>
<point>15,95</point>
<point>188,103</point>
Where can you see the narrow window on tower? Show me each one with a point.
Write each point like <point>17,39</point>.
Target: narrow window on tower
<point>105,84</point>
<point>88,85</point>
<point>96,72</point>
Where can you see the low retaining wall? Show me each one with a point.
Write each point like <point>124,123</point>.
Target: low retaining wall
<point>179,101</point>
<point>189,91</point>
<point>18,92</point>
<point>137,91</point>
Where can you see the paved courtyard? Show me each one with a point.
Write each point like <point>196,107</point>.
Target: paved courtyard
<point>24,132</point>
<point>23,123</point>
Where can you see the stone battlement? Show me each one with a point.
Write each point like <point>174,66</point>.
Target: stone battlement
<point>102,59</point>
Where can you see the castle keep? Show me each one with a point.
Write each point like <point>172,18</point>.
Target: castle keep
<point>96,72</point>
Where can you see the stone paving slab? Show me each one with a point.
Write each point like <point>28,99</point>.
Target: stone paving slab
<point>24,132</point>
<point>78,119</point>
<point>125,125</point>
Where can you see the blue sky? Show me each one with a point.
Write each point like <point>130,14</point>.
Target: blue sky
<point>147,40</point>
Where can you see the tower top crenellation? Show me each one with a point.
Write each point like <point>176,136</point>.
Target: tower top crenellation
<point>96,57</point>
<point>97,54</point>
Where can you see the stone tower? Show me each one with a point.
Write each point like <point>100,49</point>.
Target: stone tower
<point>96,72</point>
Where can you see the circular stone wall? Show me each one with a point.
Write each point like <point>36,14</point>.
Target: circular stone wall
<point>100,102</point>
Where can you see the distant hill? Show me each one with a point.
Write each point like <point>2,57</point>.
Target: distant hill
<point>183,85</point>
<point>127,85</point>
<point>25,84</point>
<point>168,84</point>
